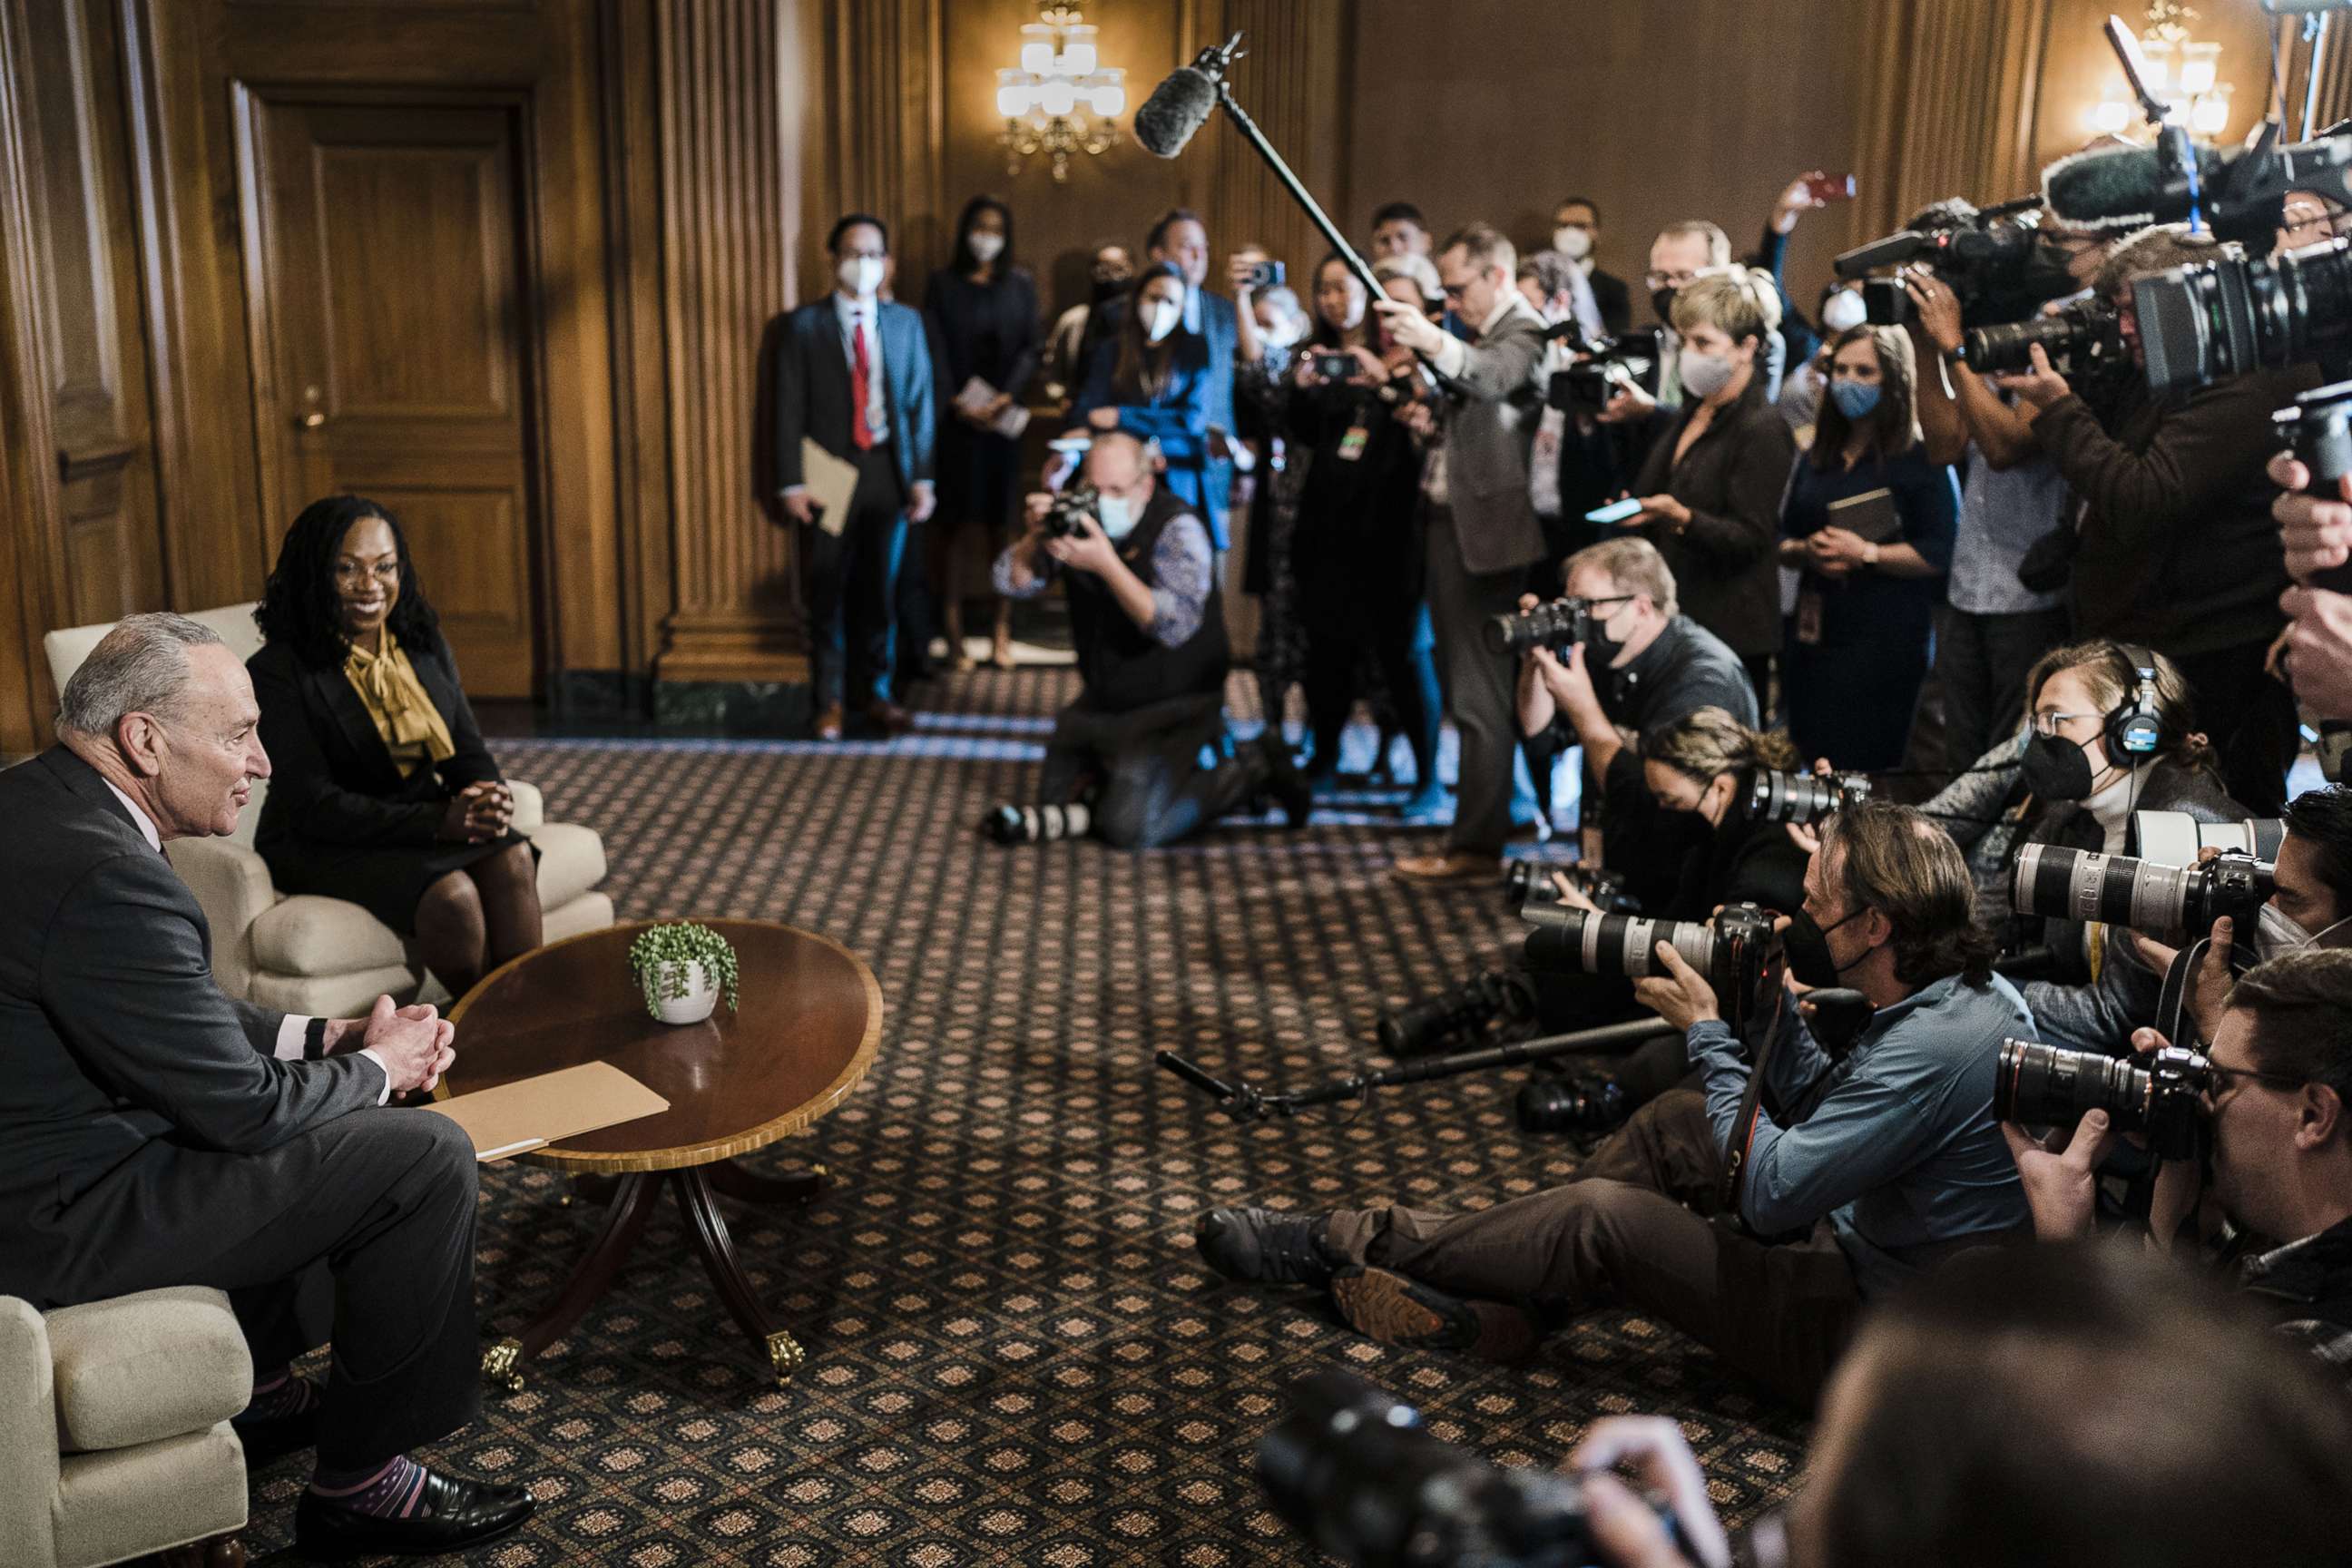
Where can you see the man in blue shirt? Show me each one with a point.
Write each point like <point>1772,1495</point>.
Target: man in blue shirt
<point>1856,1171</point>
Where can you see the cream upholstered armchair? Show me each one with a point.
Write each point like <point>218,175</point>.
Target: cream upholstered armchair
<point>319,955</point>
<point>114,1434</point>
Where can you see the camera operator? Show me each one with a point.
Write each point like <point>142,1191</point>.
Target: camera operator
<point>2030,1407</point>
<point>1482,533</point>
<point>1578,463</point>
<point>1897,1165</point>
<point>1645,667</point>
<point>1991,628</point>
<point>2176,544</point>
<point>1712,483</point>
<point>1145,744</point>
<point>2280,1146</point>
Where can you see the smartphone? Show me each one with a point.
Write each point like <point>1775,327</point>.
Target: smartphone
<point>1615,512</point>
<point>1831,188</point>
<point>1069,444</point>
<point>1335,367</point>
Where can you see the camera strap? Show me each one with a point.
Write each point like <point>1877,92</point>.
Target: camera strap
<point>1751,1102</point>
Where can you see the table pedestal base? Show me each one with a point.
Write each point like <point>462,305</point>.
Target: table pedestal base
<point>633,1198</point>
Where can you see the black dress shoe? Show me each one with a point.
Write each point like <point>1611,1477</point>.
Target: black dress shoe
<point>1264,1247</point>
<point>451,1514</point>
<point>265,1442</point>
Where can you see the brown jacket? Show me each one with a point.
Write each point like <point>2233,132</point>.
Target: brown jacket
<point>1732,479</point>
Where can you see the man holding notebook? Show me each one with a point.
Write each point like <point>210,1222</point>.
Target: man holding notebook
<point>156,1132</point>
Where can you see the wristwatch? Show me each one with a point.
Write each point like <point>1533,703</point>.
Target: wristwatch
<point>1870,553</point>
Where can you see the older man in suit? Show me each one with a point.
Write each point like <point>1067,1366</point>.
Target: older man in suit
<point>155,1132</point>
<point>854,374</point>
<point>1482,533</point>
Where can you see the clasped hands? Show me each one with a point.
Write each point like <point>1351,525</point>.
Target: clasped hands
<point>478,813</point>
<point>415,1043</point>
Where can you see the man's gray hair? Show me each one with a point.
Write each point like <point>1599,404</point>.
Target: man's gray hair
<point>139,667</point>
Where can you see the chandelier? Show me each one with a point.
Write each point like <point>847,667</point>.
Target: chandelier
<point>2183,73</point>
<point>1060,100</point>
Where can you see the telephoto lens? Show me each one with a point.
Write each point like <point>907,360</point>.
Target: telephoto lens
<point>2082,885</point>
<point>1527,882</point>
<point>1730,949</point>
<point>1802,798</point>
<point>1036,824</point>
<point>1422,1026</point>
<point>2235,314</point>
<point>2075,337</point>
<point>2161,1095</point>
<point>1579,1103</point>
<point>2175,838</point>
<point>1352,1470</point>
<point>1557,626</point>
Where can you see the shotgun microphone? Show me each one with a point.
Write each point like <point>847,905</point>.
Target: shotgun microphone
<point>1181,105</point>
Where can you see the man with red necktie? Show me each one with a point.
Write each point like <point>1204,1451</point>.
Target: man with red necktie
<point>854,374</point>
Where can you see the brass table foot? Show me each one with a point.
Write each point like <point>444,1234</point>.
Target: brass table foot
<point>502,1364</point>
<point>785,1356</point>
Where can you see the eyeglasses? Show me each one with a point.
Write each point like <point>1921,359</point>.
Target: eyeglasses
<point>387,572</point>
<point>2047,721</point>
<point>1668,279</point>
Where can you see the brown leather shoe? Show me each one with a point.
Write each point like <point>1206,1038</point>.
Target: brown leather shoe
<point>828,723</point>
<point>1459,868</point>
<point>888,716</point>
<point>1386,1306</point>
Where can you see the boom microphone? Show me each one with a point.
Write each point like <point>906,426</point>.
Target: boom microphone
<point>1181,105</point>
<point>2129,188</point>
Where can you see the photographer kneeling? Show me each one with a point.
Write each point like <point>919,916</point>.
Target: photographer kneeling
<point>1644,666</point>
<point>2272,1097</point>
<point>1143,757</point>
<point>1897,1165</point>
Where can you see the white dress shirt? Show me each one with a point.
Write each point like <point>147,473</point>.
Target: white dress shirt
<point>858,316</point>
<point>290,1031</point>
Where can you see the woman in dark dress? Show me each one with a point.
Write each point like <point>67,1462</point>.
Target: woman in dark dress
<point>1857,647</point>
<point>983,314</point>
<point>381,792</point>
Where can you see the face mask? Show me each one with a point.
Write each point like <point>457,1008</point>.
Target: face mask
<point>1703,375</point>
<point>1576,243</point>
<point>1107,289</point>
<point>1662,300</point>
<point>1845,311</point>
<point>2276,932</point>
<point>1118,519</point>
<point>985,248</point>
<point>1806,945</point>
<point>2057,768</point>
<point>859,276</point>
<point>1605,649</point>
<point>1855,399</point>
<point>1160,319</point>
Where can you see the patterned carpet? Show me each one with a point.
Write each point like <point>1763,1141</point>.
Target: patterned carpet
<point>1015,1354</point>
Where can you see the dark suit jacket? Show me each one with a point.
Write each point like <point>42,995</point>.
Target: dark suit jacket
<point>332,780</point>
<point>1725,562</point>
<point>119,1052</point>
<point>1489,433</point>
<point>1612,300</point>
<point>811,391</point>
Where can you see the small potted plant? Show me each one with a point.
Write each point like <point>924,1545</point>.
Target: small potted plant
<point>683,967</point>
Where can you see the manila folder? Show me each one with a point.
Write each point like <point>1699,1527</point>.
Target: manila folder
<point>532,1113</point>
<point>831,481</point>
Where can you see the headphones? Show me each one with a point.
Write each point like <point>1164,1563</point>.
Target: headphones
<point>2135,729</point>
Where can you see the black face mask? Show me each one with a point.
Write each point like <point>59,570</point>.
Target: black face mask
<point>1108,288</point>
<point>1806,945</point>
<point>1662,300</point>
<point>2057,768</point>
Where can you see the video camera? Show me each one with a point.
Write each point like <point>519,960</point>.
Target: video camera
<point>2161,1095</point>
<point>1352,1470</point>
<point>2239,313</point>
<point>1773,795</point>
<point>1586,385</point>
<point>1732,950</point>
<point>1557,626</point>
<point>2079,339</point>
<point>1997,262</point>
<point>1072,509</point>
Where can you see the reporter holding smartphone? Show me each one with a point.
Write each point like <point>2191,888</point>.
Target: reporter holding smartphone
<point>1868,521</point>
<point>1710,488</point>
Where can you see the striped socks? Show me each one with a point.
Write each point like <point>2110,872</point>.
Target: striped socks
<point>388,1490</point>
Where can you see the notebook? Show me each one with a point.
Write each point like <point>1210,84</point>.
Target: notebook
<point>1869,516</point>
<point>533,1112</point>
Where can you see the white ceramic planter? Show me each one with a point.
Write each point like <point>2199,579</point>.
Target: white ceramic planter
<point>701,994</point>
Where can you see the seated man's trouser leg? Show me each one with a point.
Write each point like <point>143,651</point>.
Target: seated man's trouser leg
<point>1620,1234</point>
<point>382,1198</point>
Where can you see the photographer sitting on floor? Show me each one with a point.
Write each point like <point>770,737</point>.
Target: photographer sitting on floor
<point>1143,757</point>
<point>1645,666</point>
<point>1880,1163</point>
<point>2280,1145</point>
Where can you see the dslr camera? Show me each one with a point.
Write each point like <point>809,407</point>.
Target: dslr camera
<point>1588,383</point>
<point>1419,1028</point>
<point>2161,1096</point>
<point>1072,510</point>
<point>2137,894</point>
<point>1557,626</point>
<point>2080,339</point>
<point>1731,951</point>
<point>1530,881</point>
<point>1997,261</point>
<point>1774,796</point>
<point>1352,1470</point>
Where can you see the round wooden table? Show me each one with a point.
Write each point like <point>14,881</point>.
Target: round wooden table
<point>810,1016</point>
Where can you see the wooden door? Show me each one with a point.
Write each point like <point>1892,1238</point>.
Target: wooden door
<point>384,273</point>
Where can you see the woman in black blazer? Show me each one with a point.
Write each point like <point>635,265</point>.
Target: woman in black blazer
<point>381,791</point>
